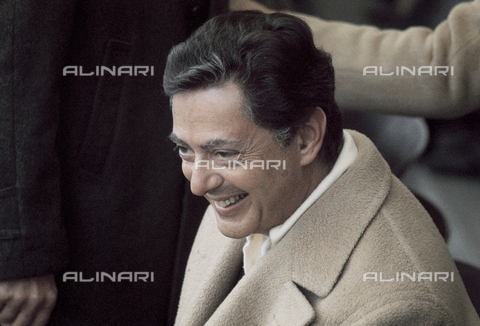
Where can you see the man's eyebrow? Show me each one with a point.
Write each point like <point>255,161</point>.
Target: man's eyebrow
<point>207,145</point>
<point>174,138</point>
<point>218,143</point>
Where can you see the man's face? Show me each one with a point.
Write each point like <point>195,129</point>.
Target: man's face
<point>211,131</point>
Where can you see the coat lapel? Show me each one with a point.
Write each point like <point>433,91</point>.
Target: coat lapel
<point>263,299</point>
<point>210,295</point>
<point>321,242</point>
<point>212,271</point>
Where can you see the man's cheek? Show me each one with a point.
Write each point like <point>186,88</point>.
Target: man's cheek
<point>187,170</point>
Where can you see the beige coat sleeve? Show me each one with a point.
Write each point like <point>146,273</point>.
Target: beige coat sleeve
<point>454,43</point>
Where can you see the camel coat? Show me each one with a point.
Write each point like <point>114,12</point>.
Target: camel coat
<point>367,222</point>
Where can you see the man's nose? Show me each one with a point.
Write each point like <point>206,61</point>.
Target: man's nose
<point>204,179</point>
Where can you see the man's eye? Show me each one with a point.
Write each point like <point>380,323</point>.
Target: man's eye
<point>225,154</point>
<point>181,150</point>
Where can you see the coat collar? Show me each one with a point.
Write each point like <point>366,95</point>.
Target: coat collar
<point>310,257</point>
<point>323,239</point>
<point>328,232</point>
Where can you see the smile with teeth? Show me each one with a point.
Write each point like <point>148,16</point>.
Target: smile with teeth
<point>232,200</point>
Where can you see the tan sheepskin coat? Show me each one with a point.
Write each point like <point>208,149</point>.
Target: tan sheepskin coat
<point>367,222</point>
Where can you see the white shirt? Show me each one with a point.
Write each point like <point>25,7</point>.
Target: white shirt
<point>257,245</point>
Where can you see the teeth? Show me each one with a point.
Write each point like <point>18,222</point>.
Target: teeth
<point>231,200</point>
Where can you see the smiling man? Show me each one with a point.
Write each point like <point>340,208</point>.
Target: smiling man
<point>318,239</point>
<point>212,125</point>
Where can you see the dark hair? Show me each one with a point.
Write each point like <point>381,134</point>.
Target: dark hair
<point>273,59</point>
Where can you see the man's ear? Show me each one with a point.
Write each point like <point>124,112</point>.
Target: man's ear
<point>310,135</point>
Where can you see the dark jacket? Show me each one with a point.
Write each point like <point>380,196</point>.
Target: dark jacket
<point>88,180</point>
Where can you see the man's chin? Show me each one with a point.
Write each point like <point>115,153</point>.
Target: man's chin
<point>233,227</point>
